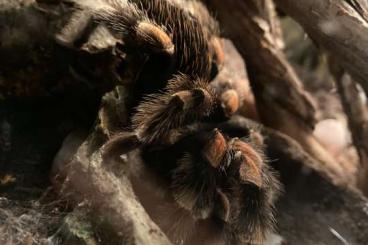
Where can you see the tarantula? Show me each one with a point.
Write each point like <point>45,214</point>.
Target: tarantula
<point>176,44</point>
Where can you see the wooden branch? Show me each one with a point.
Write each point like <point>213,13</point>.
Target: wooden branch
<point>106,188</point>
<point>282,102</point>
<point>33,65</point>
<point>113,199</point>
<point>340,27</point>
<point>357,116</point>
<point>256,34</point>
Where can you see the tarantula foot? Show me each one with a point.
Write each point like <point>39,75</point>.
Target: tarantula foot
<point>154,39</point>
<point>250,163</point>
<point>256,137</point>
<point>215,150</point>
<point>118,145</point>
<point>218,52</point>
<point>230,102</point>
<point>190,99</point>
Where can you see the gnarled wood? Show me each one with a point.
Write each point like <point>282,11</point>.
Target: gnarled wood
<point>282,102</point>
<point>357,116</point>
<point>340,27</point>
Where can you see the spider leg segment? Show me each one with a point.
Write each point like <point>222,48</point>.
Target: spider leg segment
<point>123,19</point>
<point>183,102</point>
<point>230,102</point>
<point>215,150</point>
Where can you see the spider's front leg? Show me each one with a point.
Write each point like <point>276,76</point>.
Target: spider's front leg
<point>184,101</point>
<point>124,20</point>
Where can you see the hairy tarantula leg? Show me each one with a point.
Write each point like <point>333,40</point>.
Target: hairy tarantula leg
<point>230,102</point>
<point>189,99</point>
<point>159,114</point>
<point>217,52</point>
<point>123,19</point>
<point>215,150</point>
<point>154,38</point>
<point>126,19</point>
<point>256,138</point>
<point>222,207</point>
<point>251,191</point>
<point>119,144</point>
<point>211,32</point>
<point>250,163</point>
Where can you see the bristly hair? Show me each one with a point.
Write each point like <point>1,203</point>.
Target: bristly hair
<point>255,204</point>
<point>205,191</point>
<point>189,36</point>
<point>190,33</point>
<point>125,20</point>
<point>161,25</point>
<point>194,186</point>
<point>159,113</point>
<point>256,210</point>
<point>87,10</point>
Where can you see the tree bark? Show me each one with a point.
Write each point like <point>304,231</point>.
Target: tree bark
<point>106,188</point>
<point>113,200</point>
<point>282,102</point>
<point>340,27</point>
<point>357,116</point>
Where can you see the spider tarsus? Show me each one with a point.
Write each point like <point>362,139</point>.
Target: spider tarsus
<point>154,39</point>
<point>230,102</point>
<point>215,149</point>
<point>250,163</point>
<point>218,54</point>
<point>190,99</point>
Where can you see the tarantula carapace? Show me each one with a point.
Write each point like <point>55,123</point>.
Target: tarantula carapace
<point>175,43</point>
